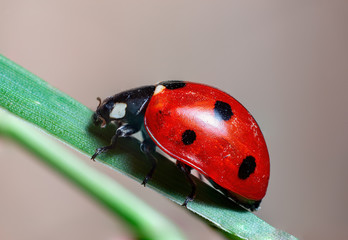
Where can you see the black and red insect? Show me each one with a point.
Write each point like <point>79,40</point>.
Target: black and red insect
<point>201,127</point>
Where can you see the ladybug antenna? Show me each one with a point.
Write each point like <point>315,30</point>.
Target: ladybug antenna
<point>100,101</point>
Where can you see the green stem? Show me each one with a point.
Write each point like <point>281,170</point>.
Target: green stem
<point>146,223</point>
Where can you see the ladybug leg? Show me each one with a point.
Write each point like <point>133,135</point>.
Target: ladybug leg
<point>123,131</point>
<point>148,147</point>
<point>187,171</point>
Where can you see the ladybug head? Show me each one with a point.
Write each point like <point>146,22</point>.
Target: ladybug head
<point>124,107</point>
<point>102,114</point>
<point>111,109</point>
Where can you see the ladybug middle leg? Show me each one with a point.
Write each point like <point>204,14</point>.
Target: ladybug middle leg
<point>123,131</point>
<point>187,171</point>
<point>148,147</point>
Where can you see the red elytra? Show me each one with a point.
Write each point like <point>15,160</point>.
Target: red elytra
<point>221,142</point>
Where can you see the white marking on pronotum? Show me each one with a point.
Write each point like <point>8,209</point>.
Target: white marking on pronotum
<point>119,110</point>
<point>159,89</point>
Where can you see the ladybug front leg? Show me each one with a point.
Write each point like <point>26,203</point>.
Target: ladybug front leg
<point>123,131</point>
<point>148,147</point>
<point>187,171</point>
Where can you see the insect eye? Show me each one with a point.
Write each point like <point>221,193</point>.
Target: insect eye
<point>95,119</point>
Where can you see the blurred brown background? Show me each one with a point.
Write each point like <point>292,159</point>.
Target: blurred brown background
<point>286,61</point>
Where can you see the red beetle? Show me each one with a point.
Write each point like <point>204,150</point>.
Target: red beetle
<point>202,128</point>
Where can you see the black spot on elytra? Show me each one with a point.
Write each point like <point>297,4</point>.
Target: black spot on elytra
<point>247,167</point>
<point>223,110</point>
<point>188,137</point>
<point>174,84</point>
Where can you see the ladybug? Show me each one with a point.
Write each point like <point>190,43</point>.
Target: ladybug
<point>201,127</point>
